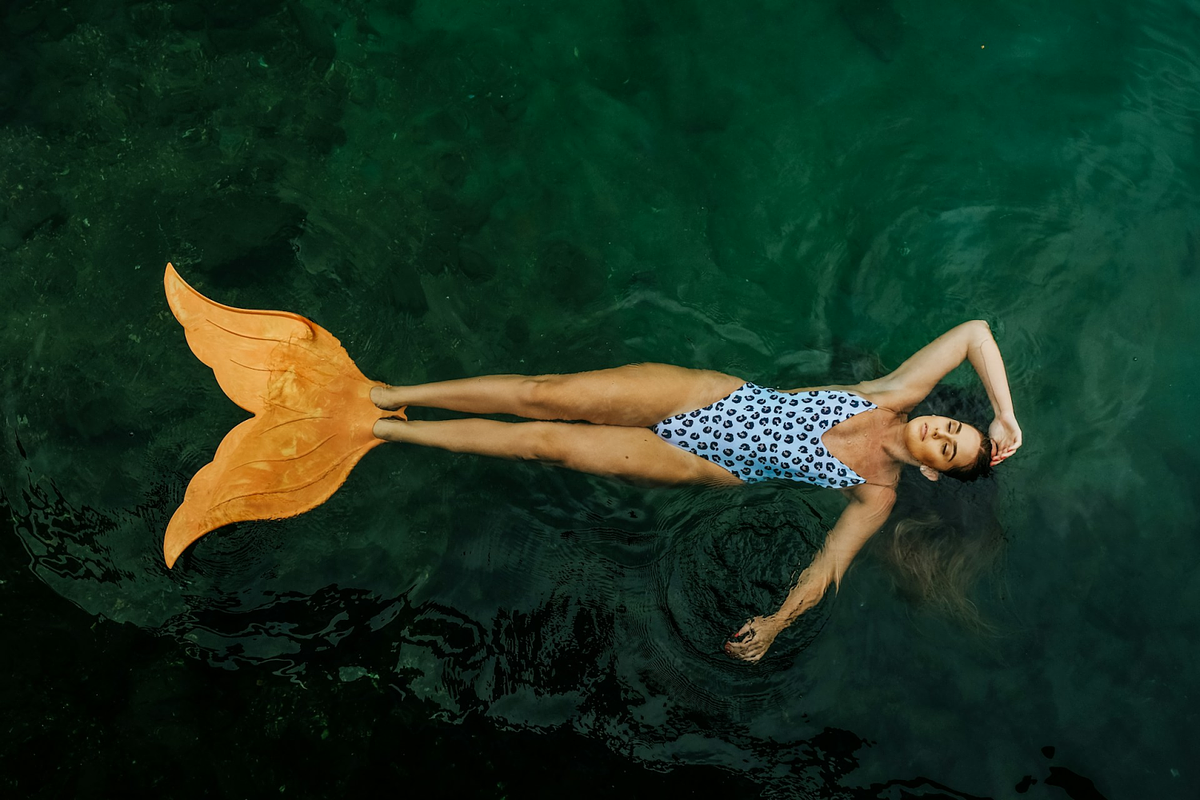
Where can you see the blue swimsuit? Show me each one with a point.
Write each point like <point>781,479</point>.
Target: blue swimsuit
<point>758,433</point>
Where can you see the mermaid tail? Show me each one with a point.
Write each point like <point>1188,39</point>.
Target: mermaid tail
<point>312,422</point>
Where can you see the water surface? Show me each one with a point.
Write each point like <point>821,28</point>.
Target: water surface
<point>798,193</point>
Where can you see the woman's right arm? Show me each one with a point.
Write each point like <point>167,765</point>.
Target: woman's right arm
<point>865,514</point>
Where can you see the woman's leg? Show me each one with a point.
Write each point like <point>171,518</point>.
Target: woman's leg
<point>632,454</point>
<point>635,396</point>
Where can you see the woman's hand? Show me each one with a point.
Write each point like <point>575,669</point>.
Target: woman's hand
<point>1006,436</point>
<point>754,639</point>
<point>868,508</point>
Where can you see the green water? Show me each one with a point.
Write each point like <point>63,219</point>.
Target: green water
<point>784,191</point>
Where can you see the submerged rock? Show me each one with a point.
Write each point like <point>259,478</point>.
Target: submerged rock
<point>474,264</point>
<point>400,289</point>
<point>37,212</point>
<point>243,237</point>
<point>875,23</point>
<point>571,276</point>
<point>316,36</point>
<point>516,331</point>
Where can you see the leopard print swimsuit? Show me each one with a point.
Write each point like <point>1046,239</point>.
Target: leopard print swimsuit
<point>758,433</point>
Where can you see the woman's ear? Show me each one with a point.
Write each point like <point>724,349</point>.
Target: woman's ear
<point>930,473</point>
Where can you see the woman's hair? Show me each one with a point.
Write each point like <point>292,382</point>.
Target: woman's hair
<point>943,538</point>
<point>981,467</point>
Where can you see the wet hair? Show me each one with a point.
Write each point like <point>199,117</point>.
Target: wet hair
<point>937,556</point>
<point>981,467</point>
<point>944,539</point>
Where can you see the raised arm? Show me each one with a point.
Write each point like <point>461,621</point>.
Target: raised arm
<point>868,510</point>
<point>913,380</point>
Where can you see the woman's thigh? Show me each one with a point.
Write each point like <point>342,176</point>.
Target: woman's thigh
<point>632,454</point>
<point>638,395</point>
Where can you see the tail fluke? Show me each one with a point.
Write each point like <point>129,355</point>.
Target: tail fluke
<point>312,421</point>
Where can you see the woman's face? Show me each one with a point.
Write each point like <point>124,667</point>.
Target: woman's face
<point>942,443</point>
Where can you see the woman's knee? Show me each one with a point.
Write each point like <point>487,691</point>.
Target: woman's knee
<point>539,396</point>
<point>547,442</point>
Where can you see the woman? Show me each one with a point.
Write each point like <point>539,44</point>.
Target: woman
<point>654,423</point>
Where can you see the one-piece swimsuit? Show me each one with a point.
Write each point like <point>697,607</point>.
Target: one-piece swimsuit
<point>758,433</point>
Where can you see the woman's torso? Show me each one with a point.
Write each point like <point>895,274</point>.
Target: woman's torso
<point>828,437</point>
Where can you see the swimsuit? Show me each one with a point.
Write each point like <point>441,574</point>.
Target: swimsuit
<point>758,433</point>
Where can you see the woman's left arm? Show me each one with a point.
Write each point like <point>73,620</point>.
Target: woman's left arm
<point>868,510</point>
<point>913,380</point>
<point>1004,431</point>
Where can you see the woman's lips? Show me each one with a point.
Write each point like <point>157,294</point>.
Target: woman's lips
<point>924,430</point>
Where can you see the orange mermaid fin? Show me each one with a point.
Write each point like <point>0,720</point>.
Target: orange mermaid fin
<point>312,422</point>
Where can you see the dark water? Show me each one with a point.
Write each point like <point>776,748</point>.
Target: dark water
<point>780,190</point>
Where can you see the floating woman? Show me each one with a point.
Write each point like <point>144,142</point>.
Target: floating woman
<point>316,415</point>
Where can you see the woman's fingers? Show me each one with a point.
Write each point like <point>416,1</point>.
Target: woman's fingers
<point>1006,438</point>
<point>1002,454</point>
<point>746,651</point>
<point>747,644</point>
